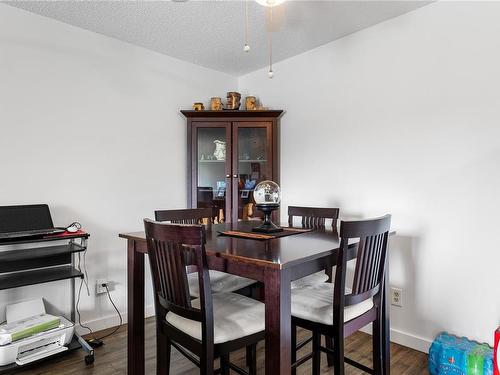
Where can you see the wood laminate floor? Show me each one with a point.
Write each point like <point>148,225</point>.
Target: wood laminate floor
<point>111,358</point>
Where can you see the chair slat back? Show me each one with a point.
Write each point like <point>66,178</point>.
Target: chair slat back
<point>367,272</point>
<point>167,248</point>
<point>371,257</point>
<point>313,217</point>
<point>185,216</point>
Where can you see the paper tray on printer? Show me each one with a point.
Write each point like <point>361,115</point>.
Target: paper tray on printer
<point>38,346</point>
<point>12,368</point>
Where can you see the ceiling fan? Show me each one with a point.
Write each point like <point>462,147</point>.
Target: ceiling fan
<point>272,25</point>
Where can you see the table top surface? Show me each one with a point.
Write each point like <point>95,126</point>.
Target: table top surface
<point>282,252</point>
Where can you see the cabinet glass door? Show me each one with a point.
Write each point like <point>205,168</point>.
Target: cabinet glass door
<point>252,163</point>
<point>213,168</point>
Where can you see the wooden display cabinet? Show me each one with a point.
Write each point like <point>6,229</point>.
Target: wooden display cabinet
<point>252,155</point>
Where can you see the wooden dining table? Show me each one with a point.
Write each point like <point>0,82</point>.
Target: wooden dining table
<point>274,262</point>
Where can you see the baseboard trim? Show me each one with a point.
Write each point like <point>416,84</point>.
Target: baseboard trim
<point>406,339</point>
<point>410,341</point>
<point>397,336</point>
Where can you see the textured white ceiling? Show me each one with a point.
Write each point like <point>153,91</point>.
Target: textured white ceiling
<point>211,33</point>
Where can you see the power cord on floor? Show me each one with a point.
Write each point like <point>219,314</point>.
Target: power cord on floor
<point>118,312</point>
<point>94,341</point>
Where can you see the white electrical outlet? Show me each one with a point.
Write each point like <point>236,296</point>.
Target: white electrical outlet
<point>397,297</point>
<point>99,289</point>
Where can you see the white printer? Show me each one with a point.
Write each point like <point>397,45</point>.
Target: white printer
<point>39,345</point>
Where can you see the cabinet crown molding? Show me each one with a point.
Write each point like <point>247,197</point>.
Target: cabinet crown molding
<point>232,114</point>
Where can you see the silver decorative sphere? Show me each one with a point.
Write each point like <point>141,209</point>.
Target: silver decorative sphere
<point>267,192</point>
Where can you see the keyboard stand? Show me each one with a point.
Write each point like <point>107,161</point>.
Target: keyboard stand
<point>36,265</point>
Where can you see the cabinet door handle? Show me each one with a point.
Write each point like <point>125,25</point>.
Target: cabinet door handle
<point>235,176</point>
<point>228,176</point>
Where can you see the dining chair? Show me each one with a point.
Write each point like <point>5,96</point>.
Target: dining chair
<point>205,199</point>
<point>209,327</point>
<point>186,216</point>
<point>326,309</point>
<point>220,281</point>
<point>313,217</point>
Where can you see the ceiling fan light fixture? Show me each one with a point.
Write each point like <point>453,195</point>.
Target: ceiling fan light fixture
<point>270,3</point>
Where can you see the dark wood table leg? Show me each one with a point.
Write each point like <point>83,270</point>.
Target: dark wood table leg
<point>386,327</point>
<point>278,321</point>
<point>135,286</point>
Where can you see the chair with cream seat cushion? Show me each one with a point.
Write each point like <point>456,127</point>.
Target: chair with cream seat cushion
<point>221,281</point>
<point>336,312</point>
<point>315,218</point>
<point>314,279</point>
<point>206,328</point>
<point>235,316</point>
<point>315,303</point>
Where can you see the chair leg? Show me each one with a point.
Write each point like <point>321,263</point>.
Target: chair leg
<point>377,345</point>
<point>338,348</point>
<point>224,364</point>
<point>316,367</point>
<point>207,360</point>
<point>249,355</point>
<point>329,345</point>
<point>252,366</point>
<point>293,347</point>
<point>163,348</point>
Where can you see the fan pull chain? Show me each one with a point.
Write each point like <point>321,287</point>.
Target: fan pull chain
<point>270,73</point>
<point>246,47</point>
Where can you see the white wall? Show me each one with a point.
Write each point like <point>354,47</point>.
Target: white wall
<point>91,126</point>
<point>403,117</point>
